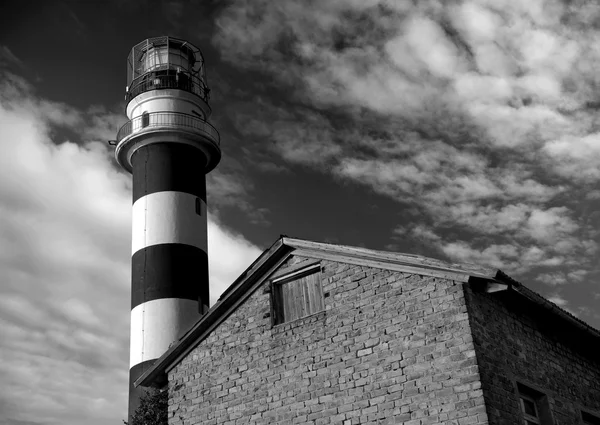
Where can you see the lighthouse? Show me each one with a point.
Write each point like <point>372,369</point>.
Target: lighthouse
<point>168,146</point>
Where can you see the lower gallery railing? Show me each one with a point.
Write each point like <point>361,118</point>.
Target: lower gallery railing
<point>168,119</point>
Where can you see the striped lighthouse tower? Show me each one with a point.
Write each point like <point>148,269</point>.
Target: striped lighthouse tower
<point>169,146</point>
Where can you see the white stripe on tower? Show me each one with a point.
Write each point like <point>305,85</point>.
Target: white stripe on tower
<point>155,323</point>
<point>169,217</point>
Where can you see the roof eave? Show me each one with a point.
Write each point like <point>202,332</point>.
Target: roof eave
<point>518,288</point>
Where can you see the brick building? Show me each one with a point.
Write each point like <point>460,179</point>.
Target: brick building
<point>314,333</point>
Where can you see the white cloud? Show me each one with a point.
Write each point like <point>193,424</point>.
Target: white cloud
<point>479,117</point>
<point>592,195</point>
<point>477,24</point>
<point>558,300</point>
<point>453,185</point>
<point>506,65</point>
<point>560,278</point>
<point>575,157</point>
<point>229,255</point>
<point>483,88</point>
<point>428,44</point>
<point>552,279</point>
<point>501,256</point>
<point>551,224</point>
<point>65,214</point>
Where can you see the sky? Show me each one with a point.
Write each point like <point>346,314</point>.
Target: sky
<point>461,130</point>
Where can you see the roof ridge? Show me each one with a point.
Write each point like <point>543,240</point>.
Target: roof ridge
<point>394,257</point>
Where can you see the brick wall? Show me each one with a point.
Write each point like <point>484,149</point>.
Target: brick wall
<point>515,341</point>
<point>390,348</point>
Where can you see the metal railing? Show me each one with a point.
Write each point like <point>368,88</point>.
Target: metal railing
<point>168,119</point>
<point>168,79</point>
<point>169,51</point>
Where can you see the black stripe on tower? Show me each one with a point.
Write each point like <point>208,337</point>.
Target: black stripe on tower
<point>169,271</point>
<point>168,166</point>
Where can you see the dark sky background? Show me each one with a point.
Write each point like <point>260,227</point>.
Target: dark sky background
<point>74,52</point>
<point>465,131</point>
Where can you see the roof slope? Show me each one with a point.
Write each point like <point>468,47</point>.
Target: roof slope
<point>386,257</point>
<point>274,256</point>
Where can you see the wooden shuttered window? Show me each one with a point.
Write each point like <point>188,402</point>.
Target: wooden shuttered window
<point>297,295</point>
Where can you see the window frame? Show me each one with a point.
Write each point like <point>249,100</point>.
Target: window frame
<point>295,274</point>
<point>540,402</point>
<point>527,417</point>
<point>145,119</point>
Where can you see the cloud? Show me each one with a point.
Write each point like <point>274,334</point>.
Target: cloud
<point>576,157</point>
<point>563,303</point>
<point>552,279</point>
<point>229,255</point>
<point>7,57</point>
<point>558,300</point>
<point>494,255</point>
<point>560,278</point>
<point>230,189</point>
<point>506,69</point>
<point>65,215</point>
<point>550,225</point>
<point>479,116</point>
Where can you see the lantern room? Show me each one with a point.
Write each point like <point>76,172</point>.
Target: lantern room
<point>165,63</point>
